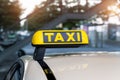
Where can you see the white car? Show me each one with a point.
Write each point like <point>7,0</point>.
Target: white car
<point>73,66</point>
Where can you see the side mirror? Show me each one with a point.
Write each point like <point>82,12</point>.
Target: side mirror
<point>21,53</point>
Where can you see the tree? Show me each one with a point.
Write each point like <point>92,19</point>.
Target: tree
<point>51,9</point>
<point>9,14</point>
<point>42,15</point>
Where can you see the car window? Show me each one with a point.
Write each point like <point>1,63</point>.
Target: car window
<point>15,72</point>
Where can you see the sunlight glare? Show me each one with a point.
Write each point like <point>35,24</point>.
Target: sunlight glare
<point>28,5</point>
<point>114,8</point>
<point>114,20</point>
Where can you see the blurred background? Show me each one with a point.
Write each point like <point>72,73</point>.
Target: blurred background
<point>19,19</point>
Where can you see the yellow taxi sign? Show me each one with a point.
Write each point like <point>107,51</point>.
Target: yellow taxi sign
<point>59,37</point>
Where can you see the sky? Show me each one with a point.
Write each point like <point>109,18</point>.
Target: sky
<point>28,5</point>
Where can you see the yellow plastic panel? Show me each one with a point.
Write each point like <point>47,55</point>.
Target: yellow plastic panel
<point>59,37</point>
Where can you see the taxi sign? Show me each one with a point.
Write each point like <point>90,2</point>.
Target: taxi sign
<point>59,37</point>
